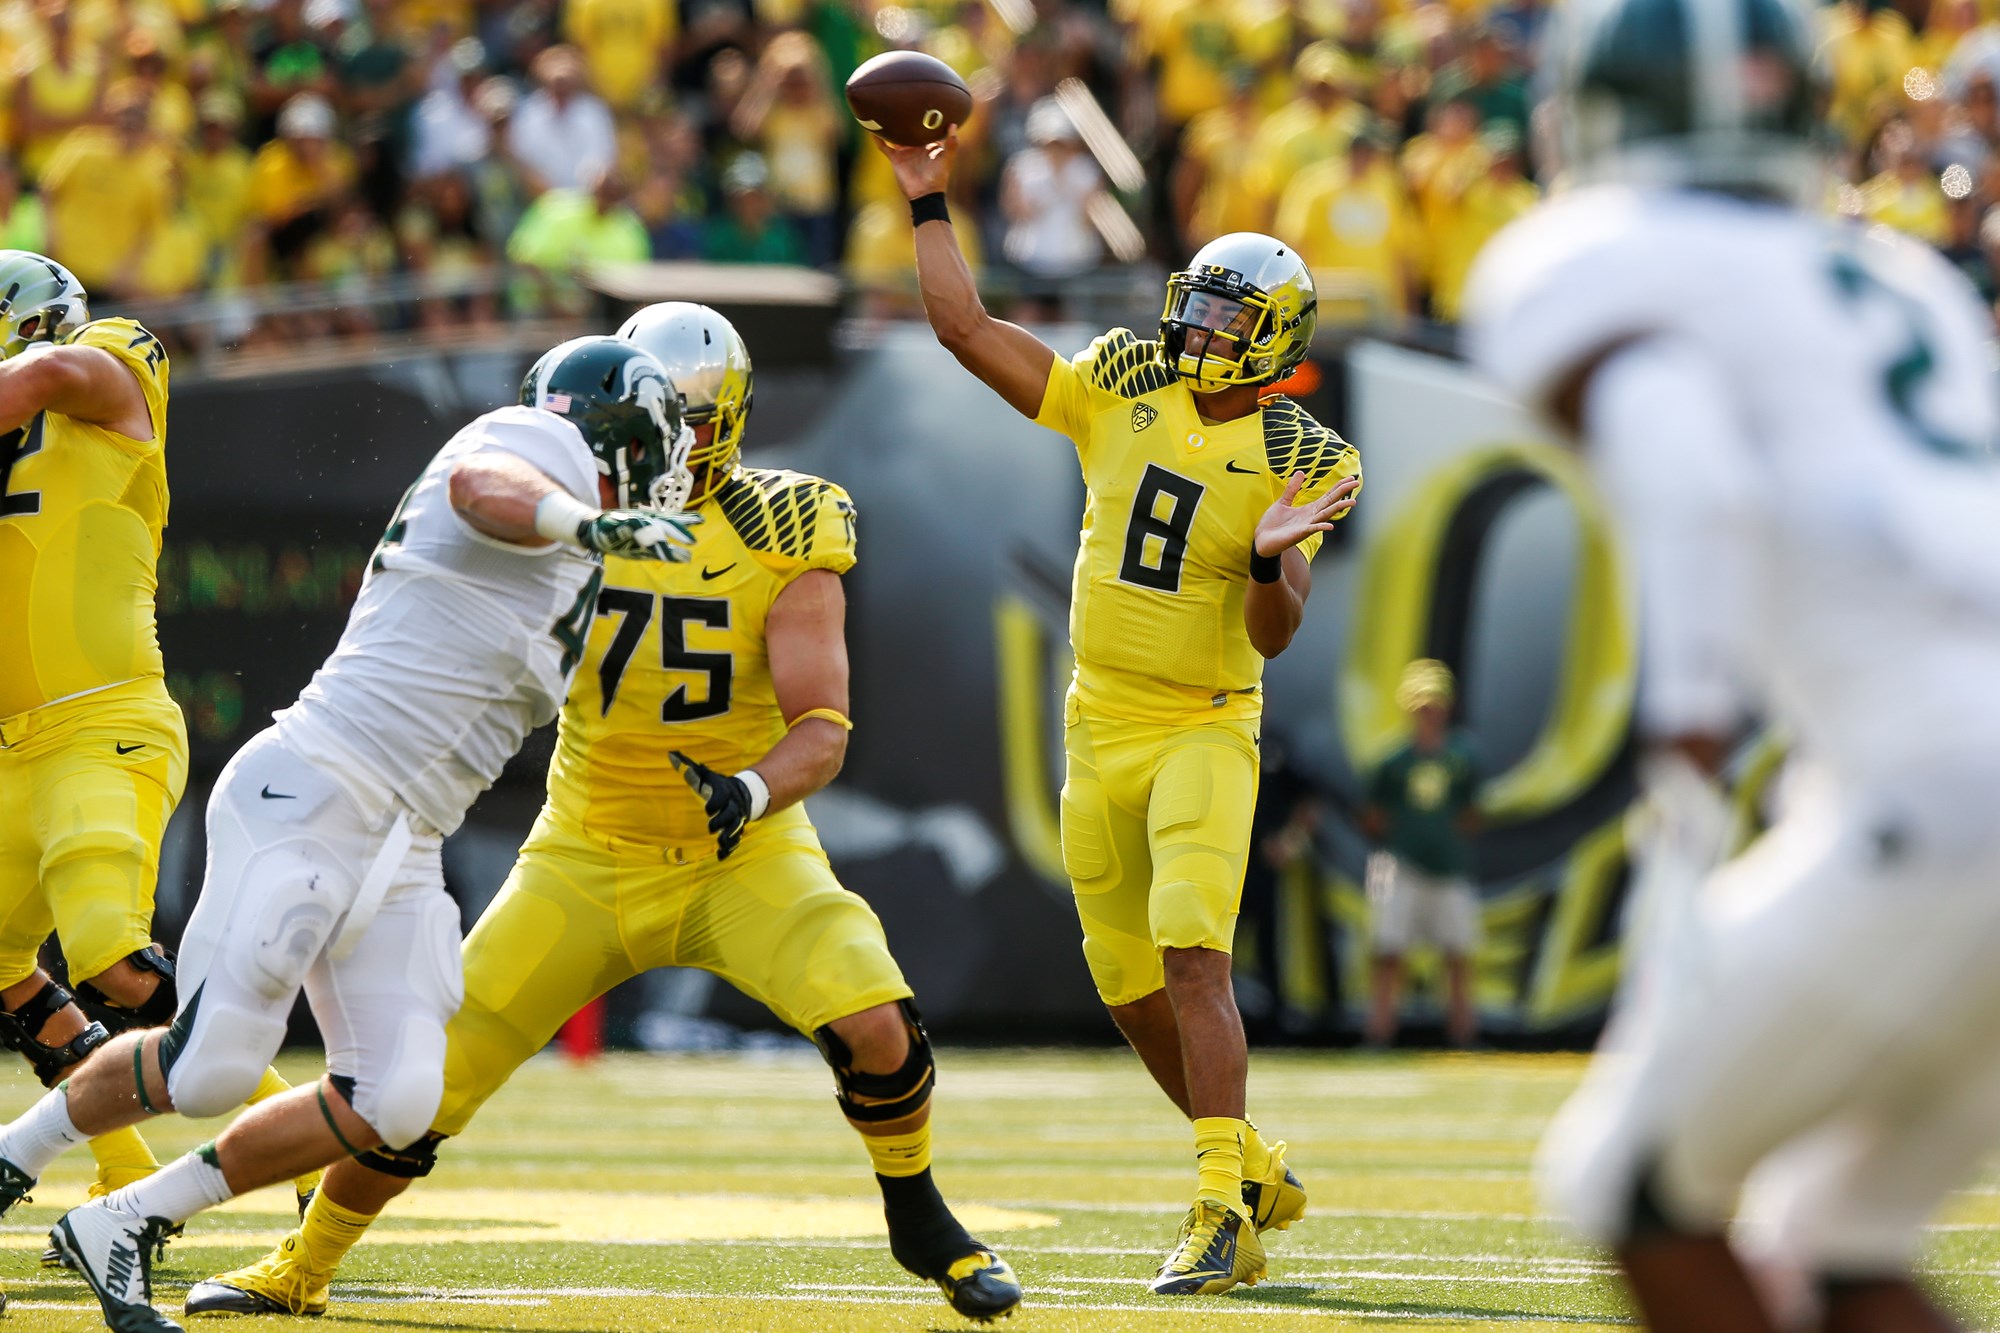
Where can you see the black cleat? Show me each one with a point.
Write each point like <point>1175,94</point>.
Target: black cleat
<point>980,1286</point>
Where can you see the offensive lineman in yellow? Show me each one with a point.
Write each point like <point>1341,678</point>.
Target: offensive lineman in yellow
<point>93,752</point>
<point>1204,508</point>
<point>733,669</point>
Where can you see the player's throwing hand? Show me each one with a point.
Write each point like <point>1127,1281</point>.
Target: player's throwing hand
<point>925,170</point>
<point>638,535</point>
<point>1285,524</point>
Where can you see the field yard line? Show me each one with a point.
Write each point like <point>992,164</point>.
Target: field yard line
<point>1342,1256</point>
<point>1316,1212</point>
<point>1344,1274</point>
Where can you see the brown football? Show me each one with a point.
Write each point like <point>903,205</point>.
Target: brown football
<point>908,98</point>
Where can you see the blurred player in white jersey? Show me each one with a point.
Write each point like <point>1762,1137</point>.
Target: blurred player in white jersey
<point>1791,419</point>
<point>324,831</point>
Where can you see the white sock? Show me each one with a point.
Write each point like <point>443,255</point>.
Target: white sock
<point>178,1190</point>
<point>42,1134</point>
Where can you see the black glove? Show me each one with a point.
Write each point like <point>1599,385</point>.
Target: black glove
<point>726,798</point>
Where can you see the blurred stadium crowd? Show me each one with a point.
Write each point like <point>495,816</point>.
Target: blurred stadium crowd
<point>471,154</point>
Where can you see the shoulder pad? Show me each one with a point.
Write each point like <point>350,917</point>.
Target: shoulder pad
<point>792,515</point>
<point>142,353</point>
<point>1294,442</point>
<point>1124,364</point>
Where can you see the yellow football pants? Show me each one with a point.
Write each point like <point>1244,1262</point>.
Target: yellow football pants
<point>581,913</point>
<point>1155,838</point>
<point>86,789</point>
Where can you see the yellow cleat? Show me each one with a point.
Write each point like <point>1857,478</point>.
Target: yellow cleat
<point>981,1287</point>
<point>1276,1199</point>
<point>282,1282</point>
<point>1218,1249</point>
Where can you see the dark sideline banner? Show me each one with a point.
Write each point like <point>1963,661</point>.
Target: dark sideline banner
<point>1475,542</point>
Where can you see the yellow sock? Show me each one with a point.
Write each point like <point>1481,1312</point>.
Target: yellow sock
<point>326,1234</point>
<point>1218,1151</point>
<point>1256,1154</point>
<point>122,1156</point>
<point>270,1086</point>
<point>900,1154</point>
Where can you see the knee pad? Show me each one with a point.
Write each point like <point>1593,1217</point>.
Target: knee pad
<point>890,1096</point>
<point>157,1011</point>
<point>411,1163</point>
<point>18,1029</point>
<point>215,1054</point>
<point>301,899</point>
<point>402,1100</point>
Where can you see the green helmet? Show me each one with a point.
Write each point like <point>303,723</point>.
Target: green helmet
<point>40,302</point>
<point>1255,291</point>
<point>707,361</point>
<point>619,397</point>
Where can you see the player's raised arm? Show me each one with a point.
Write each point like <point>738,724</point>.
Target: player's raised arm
<point>1013,362</point>
<point>83,383</point>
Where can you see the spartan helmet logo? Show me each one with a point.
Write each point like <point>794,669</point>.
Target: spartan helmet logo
<point>1143,415</point>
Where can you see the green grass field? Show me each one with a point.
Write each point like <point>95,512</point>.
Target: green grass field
<point>725,1193</point>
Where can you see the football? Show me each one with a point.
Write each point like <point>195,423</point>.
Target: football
<point>908,98</point>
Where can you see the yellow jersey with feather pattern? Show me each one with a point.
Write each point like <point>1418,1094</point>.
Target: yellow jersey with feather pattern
<point>676,659</point>
<point>82,510</point>
<point>1171,505</point>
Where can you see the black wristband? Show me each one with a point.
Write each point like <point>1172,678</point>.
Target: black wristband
<point>929,208</point>
<point>1266,568</point>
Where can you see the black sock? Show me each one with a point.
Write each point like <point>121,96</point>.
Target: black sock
<point>923,1235</point>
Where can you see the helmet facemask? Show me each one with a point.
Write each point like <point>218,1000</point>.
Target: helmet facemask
<point>1220,328</point>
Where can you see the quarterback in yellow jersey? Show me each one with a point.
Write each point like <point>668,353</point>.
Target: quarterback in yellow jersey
<point>1204,505</point>
<point>731,668</point>
<point>93,752</point>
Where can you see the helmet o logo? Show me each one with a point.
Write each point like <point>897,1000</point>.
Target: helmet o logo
<point>933,118</point>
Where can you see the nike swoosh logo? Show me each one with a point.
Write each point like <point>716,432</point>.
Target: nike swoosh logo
<point>270,795</point>
<point>1230,466</point>
<point>707,574</point>
<point>127,749</point>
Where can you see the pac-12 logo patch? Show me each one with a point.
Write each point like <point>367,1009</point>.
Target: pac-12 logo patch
<point>1144,415</point>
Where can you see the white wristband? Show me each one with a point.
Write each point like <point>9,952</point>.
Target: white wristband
<point>760,792</point>
<point>559,514</point>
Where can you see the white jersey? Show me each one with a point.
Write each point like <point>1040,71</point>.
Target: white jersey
<point>1849,491</point>
<point>459,644</point>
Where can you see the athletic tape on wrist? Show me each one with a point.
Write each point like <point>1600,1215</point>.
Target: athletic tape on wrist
<point>558,516</point>
<point>760,792</point>
<point>929,208</point>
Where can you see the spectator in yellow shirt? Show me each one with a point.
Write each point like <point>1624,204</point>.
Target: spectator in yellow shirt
<point>215,177</point>
<point>298,177</point>
<point>788,115</point>
<point>1211,193</point>
<point>1868,49</point>
<point>172,109</point>
<point>622,42</point>
<point>1441,164</point>
<point>1352,220</point>
<point>58,84</point>
<point>1490,203</point>
<point>1905,193</point>
<point>107,189</point>
<point>1314,127</point>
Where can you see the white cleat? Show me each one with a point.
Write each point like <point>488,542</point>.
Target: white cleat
<point>113,1252</point>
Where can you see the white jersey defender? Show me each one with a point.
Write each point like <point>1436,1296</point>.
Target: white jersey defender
<point>324,831</point>
<point>1792,420</point>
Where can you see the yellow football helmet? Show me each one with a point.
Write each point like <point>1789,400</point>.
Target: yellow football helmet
<point>1253,290</point>
<point>40,302</point>
<point>709,365</point>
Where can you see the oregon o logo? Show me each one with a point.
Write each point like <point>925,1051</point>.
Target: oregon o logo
<point>933,118</point>
<point>1195,440</point>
